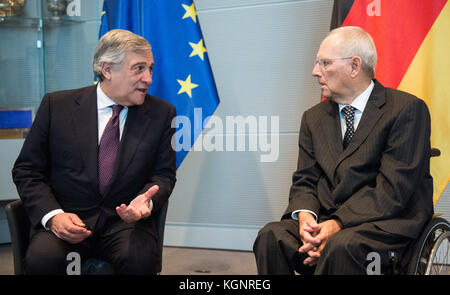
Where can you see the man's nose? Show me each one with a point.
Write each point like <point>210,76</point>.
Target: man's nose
<point>147,77</point>
<point>316,70</point>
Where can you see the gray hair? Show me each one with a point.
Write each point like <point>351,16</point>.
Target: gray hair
<point>354,41</point>
<point>112,48</point>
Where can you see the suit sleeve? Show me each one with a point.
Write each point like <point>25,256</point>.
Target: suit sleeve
<point>303,192</point>
<point>163,172</point>
<point>403,166</point>
<point>31,169</point>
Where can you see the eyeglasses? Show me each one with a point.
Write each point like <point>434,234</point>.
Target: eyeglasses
<point>326,62</point>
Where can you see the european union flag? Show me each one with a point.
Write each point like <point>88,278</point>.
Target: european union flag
<point>182,73</point>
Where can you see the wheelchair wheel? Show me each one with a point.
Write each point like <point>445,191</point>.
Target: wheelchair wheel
<point>438,263</point>
<point>431,255</point>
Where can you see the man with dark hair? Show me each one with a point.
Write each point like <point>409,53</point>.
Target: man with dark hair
<point>97,163</point>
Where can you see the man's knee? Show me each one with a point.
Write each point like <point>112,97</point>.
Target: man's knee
<point>342,254</point>
<point>276,248</point>
<point>46,254</point>
<point>137,262</point>
<point>137,258</point>
<point>272,232</point>
<point>341,243</point>
<point>268,230</point>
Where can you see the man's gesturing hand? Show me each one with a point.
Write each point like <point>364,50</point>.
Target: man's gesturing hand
<point>69,227</point>
<point>138,208</point>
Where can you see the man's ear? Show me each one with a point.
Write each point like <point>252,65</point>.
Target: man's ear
<point>106,70</point>
<point>356,64</point>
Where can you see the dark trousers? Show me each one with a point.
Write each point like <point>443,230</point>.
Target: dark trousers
<point>131,251</point>
<point>346,252</point>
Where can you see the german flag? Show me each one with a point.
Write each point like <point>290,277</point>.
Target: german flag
<point>413,46</point>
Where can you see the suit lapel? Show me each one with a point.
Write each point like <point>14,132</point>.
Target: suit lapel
<point>135,128</point>
<point>331,129</point>
<point>84,120</point>
<point>372,113</point>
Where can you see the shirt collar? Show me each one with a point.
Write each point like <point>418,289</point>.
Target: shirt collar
<point>361,100</point>
<point>103,101</point>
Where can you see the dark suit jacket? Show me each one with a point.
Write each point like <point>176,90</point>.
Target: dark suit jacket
<point>382,177</point>
<point>57,166</point>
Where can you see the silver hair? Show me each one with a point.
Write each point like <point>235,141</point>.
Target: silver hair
<point>354,41</point>
<point>112,48</point>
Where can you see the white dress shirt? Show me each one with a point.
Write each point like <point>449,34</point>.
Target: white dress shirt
<point>359,103</point>
<point>104,110</point>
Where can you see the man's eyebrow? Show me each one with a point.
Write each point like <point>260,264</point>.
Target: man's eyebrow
<point>142,63</point>
<point>139,63</point>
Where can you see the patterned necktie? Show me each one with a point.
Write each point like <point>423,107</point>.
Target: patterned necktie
<point>349,115</point>
<point>108,148</point>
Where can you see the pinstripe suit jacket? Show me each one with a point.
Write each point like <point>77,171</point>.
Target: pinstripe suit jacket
<point>382,177</point>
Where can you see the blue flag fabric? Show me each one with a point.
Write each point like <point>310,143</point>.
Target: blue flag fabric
<point>12,119</point>
<point>182,73</point>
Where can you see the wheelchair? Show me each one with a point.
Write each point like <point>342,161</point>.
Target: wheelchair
<point>429,255</point>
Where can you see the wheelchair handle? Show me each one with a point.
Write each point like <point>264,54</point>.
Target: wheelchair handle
<point>435,152</point>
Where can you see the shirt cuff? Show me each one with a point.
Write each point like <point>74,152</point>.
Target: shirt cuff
<point>49,215</point>
<point>294,214</point>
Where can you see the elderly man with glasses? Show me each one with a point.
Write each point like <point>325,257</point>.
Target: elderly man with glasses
<point>363,183</point>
